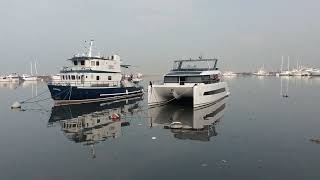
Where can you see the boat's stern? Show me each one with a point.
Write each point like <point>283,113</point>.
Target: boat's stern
<point>198,94</point>
<point>162,94</point>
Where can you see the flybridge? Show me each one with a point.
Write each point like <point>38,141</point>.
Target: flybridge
<point>195,65</point>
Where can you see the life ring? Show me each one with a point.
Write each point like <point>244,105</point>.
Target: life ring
<point>115,117</point>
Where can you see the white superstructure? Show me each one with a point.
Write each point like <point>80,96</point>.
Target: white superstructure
<point>14,77</point>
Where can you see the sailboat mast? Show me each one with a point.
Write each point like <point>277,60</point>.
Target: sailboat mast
<point>281,68</point>
<point>31,69</point>
<point>90,48</point>
<point>35,67</point>
<point>288,63</point>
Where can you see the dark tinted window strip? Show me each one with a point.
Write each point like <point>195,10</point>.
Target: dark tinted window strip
<point>214,113</point>
<point>215,91</point>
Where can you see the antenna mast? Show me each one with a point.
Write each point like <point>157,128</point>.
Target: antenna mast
<point>90,48</point>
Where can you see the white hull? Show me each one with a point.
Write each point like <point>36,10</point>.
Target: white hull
<point>201,94</point>
<point>14,80</point>
<point>33,78</point>
<point>315,73</point>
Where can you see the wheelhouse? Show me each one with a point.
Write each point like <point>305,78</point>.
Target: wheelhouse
<point>194,71</point>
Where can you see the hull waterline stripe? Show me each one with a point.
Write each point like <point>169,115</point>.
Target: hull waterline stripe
<point>67,102</point>
<point>120,93</point>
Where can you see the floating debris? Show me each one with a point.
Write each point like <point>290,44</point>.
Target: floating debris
<point>154,138</point>
<point>224,161</point>
<point>16,105</point>
<point>175,125</point>
<point>315,140</point>
<point>204,165</point>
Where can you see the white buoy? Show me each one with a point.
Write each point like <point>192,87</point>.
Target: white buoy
<point>16,105</point>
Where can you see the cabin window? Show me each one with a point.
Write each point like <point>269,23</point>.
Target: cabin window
<point>98,120</point>
<point>75,63</point>
<point>109,78</point>
<point>92,63</point>
<point>82,63</point>
<point>62,77</point>
<point>214,91</point>
<point>97,78</point>
<point>86,77</point>
<point>97,63</point>
<point>193,79</point>
<point>69,77</point>
<point>171,79</point>
<point>73,77</point>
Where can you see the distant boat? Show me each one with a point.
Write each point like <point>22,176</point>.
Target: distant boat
<point>261,72</point>
<point>27,77</point>
<point>299,71</point>
<point>314,72</point>
<point>14,77</point>
<point>229,73</point>
<point>282,72</point>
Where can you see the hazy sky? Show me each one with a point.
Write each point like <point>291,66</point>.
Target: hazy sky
<point>243,34</point>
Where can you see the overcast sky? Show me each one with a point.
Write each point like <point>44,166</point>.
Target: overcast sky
<point>150,34</point>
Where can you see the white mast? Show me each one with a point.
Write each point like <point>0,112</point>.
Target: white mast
<point>90,48</point>
<point>288,63</point>
<point>281,68</point>
<point>31,69</point>
<point>35,67</point>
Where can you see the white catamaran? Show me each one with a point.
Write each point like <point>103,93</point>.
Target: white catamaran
<point>197,81</point>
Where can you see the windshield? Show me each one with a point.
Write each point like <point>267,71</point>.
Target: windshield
<point>182,65</point>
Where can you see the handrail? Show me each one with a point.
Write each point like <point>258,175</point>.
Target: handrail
<point>211,81</point>
<point>85,83</point>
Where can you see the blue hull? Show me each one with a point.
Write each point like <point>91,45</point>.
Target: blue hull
<point>76,95</point>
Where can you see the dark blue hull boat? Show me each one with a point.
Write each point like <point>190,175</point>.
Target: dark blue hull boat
<point>76,95</point>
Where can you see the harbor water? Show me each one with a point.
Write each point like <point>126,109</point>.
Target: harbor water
<point>263,130</point>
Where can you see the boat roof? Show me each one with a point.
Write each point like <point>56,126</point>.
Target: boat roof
<point>79,58</point>
<point>192,73</point>
<point>195,60</point>
<point>195,65</point>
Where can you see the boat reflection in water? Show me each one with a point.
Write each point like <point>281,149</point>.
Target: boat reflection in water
<point>188,123</point>
<point>10,85</point>
<point>92,123</point>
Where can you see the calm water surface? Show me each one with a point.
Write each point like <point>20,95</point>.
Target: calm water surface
<point>253,134</point>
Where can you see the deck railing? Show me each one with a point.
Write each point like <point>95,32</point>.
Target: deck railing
<point>85,83</point>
